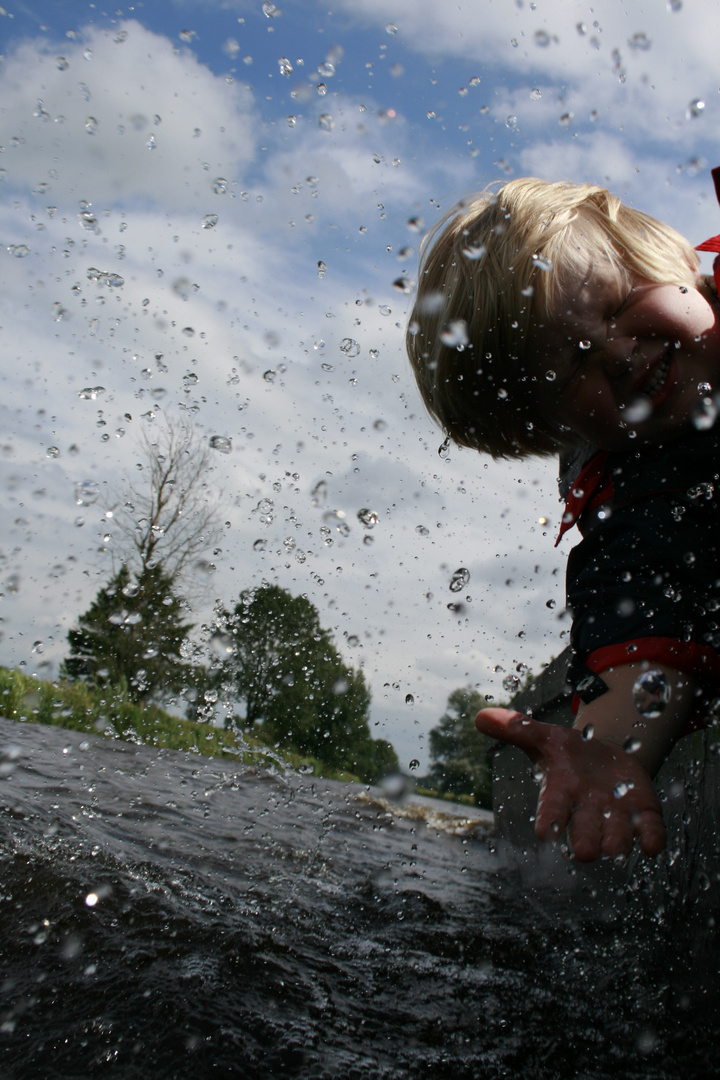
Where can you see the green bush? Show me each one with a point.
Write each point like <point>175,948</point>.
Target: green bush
<point>80,707</point>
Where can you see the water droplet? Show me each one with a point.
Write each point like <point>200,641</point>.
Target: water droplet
<point>414,764</point>
<point>474,252</point>
<point>542,38</point>
<point>222,644</point>
<point>631,745</point>
<point>704,414</point>
<point>511,122</point>
<point>259,545</point>
<point>270,375</point>
<point>62,64</point>
<point>409,699</point>
<point>220,185</point>
<point>350,347</point>
<point>20,251</point>
<point>209,221</point>
<point>422,530</point>
<point>550,376</point>
<point>454,334</point>
<point>326,122</point>
<point>651,693</point>
<point>221,443</point>
<point>541,262</point>
<point>459,579</point>
<point>403,285</point>
<point>52,452</point>
<point>535,95</point>
<point>620,790</point>
<point>336,518</point>
<point>416,224</point>
<point>90,393</point>
<point>270,11</point>
<point>587,732</point>
<point>319,493</point>
<point>638,410</point>
<point>695,108</point>
<point>640,42</point>
<point>91,125</point>
<point>444,448</point>
<point>384,309</point>
<point>203,569</point>
<point>585,345</point>
<point>86,493</point>
<point>369,518</point>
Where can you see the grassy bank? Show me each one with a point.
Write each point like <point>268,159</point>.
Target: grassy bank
<point>80,707</point>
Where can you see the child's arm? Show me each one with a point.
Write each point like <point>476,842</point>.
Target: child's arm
<point>596,788</point>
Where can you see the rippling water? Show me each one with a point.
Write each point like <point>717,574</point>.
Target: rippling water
<point>169,916</point>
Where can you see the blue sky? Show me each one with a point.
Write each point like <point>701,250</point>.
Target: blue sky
<point>161,116</point>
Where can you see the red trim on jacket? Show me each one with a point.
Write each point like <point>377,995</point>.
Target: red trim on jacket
<point>687,656</point>
<point>590,489</point>
<point>713,244</point>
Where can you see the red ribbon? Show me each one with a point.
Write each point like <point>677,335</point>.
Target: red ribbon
<point>713,244</point>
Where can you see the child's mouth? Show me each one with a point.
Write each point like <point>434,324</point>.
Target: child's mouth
<point>657,379</point>
<point>657,383</point>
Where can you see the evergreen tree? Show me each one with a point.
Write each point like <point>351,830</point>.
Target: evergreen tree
<point>294,683</point>
<point>131,636</point>
<point>460,762</point>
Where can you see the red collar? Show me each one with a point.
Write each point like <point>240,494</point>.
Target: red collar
<point>713,244</point>
<point>591,487</point>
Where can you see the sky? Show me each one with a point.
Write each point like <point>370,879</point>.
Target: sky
<point>211,211</point>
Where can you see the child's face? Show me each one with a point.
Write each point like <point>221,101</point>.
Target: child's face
<point>625,361</point>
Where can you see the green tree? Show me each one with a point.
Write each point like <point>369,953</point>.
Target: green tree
<point>458,752</point>
<point>295,685</point>
<point>131,636</point>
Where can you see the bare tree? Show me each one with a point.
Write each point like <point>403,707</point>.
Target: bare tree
<point>172,518</point>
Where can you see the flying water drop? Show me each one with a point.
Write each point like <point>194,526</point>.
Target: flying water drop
<point>459,579</point>
<point>220,443</point>
<point>369,518</point>
<point>651,693</point>
<point>350,347</point>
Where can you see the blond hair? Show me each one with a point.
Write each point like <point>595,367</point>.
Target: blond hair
<point>495,264</point>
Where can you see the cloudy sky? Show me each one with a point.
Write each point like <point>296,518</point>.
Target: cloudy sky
<point>252,181</point>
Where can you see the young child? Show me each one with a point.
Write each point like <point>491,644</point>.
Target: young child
<point>550,318</point>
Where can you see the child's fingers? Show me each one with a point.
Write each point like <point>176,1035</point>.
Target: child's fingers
<point>650,831</point>
<point>585,833</point>
<point>513,727</point>
<point>554,809</point>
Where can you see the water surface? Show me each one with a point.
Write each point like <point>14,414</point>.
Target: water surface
<point>170,916</point>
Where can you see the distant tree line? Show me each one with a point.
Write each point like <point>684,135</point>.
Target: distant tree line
<point>461,758</point>
<point>270,654</point>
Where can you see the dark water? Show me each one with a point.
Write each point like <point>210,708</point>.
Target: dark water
<point>251,925</point>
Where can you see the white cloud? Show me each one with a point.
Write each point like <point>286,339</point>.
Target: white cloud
<point>78,116</point>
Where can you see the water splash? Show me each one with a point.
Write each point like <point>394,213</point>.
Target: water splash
<point>651,693</point>
<point>459,580</point>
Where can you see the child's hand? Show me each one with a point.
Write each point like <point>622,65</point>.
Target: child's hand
<point>603,795</point>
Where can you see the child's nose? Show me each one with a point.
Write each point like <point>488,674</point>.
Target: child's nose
<point>619,354</point>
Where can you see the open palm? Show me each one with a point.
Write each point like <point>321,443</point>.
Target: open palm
<point>600,793</point>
